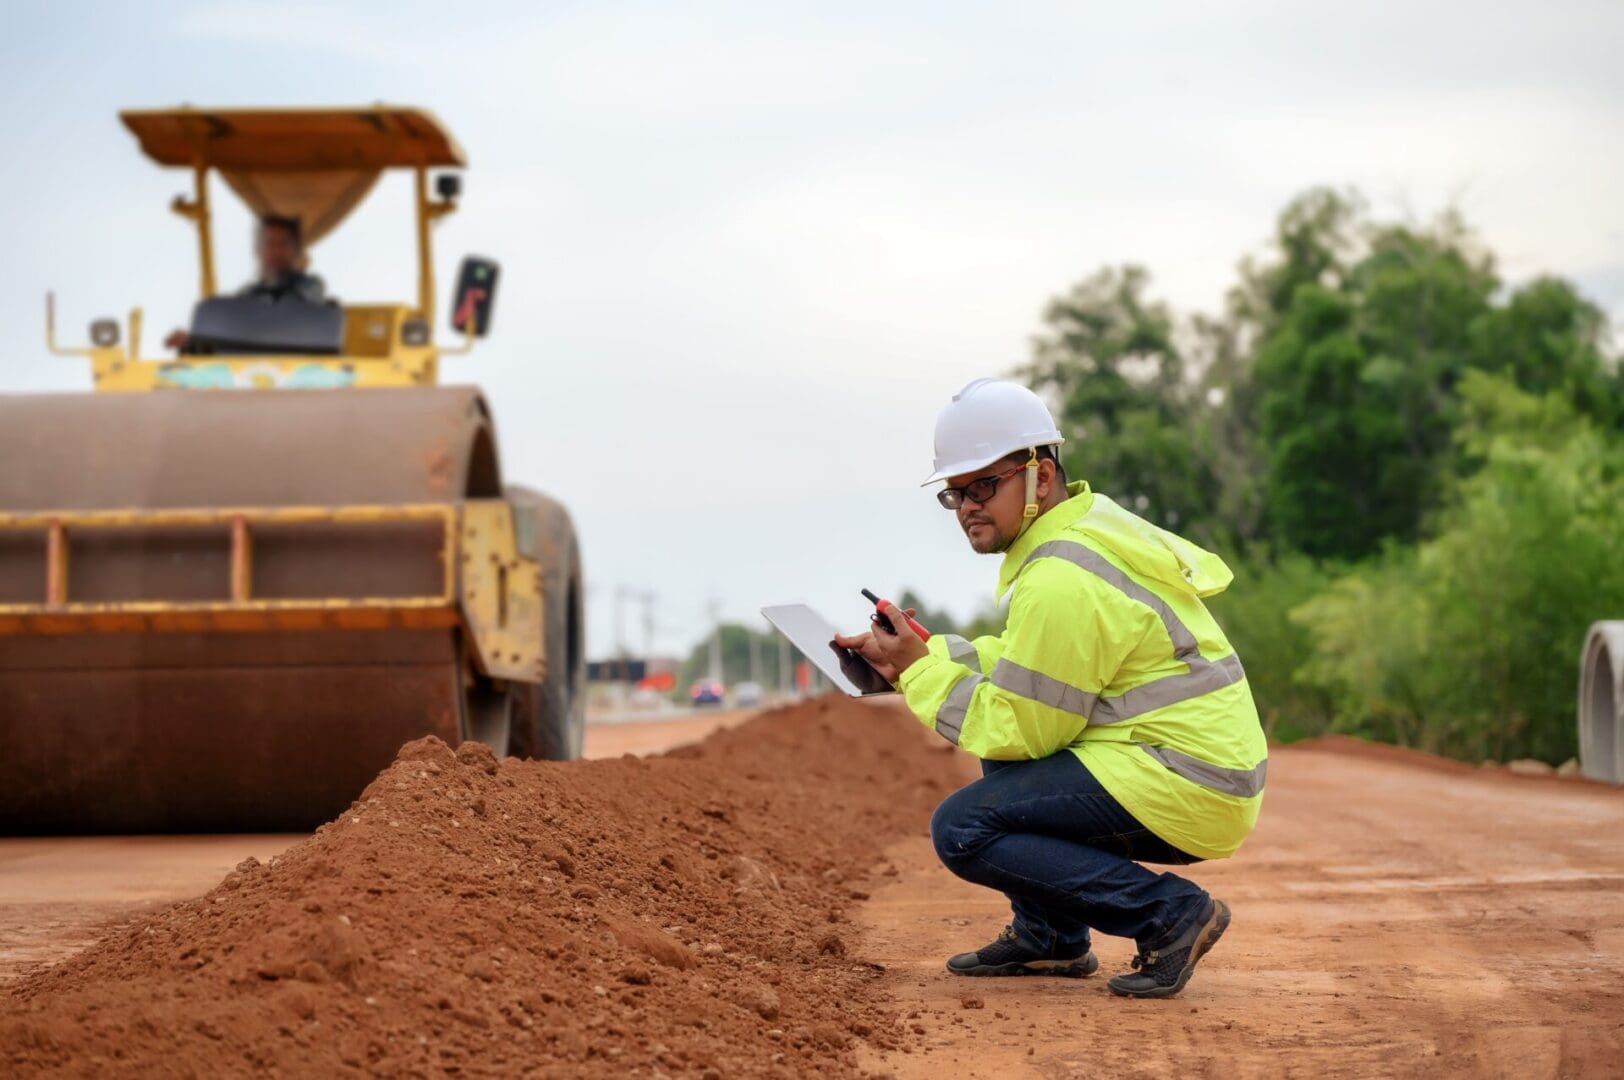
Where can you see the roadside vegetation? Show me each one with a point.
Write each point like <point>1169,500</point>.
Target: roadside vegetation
<point>1415,470</point>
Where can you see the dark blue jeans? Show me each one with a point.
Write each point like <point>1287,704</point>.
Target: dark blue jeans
<point>1047,835</point>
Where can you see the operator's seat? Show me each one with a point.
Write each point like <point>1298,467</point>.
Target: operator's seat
<point>257,325</point>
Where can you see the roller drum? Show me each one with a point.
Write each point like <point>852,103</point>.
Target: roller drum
<point>240,731</point>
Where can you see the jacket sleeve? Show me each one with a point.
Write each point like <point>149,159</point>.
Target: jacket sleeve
<point>1028,692</point>
<point>979,655</point>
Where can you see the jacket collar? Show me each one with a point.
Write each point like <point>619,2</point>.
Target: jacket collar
<point>1050,524</point>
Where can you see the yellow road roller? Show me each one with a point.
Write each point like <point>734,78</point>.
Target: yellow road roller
<point>235,579</point>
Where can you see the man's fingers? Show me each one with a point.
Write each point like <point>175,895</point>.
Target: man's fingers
<point>865,645</point>
<point>898,620</point>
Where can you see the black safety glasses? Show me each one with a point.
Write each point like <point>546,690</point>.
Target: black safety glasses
<point>977,491</point>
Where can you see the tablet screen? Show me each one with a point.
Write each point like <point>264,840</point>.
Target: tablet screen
<point>813,636</point>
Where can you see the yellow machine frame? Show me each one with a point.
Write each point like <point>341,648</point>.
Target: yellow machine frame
<point>487,584</point>
<point>378,350</point>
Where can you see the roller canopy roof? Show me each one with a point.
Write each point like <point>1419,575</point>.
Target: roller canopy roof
<point>294,140</point>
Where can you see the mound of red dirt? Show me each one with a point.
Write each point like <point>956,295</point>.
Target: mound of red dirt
<point>675,915</point>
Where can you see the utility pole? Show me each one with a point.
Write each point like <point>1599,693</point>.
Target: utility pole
<point>755,657</point>
<point>648,597</point>
<point>645,598</point>
<point>786,678</point>
<point>620,636</point>
<point>713,611</point>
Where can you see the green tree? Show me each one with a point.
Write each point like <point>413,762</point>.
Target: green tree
<point>1108,355</point>
<point>1549,339</point>
<point>1465,643</point>
<point>1255,612</point>
<point>1317,238</point>
<point>1315,241</point>
<point>1356,390</point>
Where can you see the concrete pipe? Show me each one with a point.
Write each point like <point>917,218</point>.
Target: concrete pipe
<point>1601,703</point>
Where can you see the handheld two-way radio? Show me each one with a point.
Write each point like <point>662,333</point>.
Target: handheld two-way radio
<point>879,619</point>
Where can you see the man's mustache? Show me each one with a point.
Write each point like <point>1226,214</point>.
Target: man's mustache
<point>975,519</point>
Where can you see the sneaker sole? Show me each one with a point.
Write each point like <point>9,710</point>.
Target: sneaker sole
<point>1065,969</point>
<point>1204,941</point>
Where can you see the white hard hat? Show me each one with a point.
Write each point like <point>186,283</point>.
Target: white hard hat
<point>987,420</point>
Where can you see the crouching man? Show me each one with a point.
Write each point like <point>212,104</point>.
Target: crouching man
<point>1112,717</point>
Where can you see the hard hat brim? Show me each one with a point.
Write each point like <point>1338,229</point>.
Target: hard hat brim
<point>961,467</point>
<point>980,463</point>
<point>958,467</point>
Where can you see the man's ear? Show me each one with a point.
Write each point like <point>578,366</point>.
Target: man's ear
<point>1046,478</point>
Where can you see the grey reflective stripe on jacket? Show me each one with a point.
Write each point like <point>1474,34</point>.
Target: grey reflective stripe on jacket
<point>961,651</point>
<point>1204,675</point>
<point>1044,689</point>
<point>950,717</point>
<point>1010,676</point>
<point>1243,783</point>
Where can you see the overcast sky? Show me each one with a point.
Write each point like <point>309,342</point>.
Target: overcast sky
<point>750,249</point>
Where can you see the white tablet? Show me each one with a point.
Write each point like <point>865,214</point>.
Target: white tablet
<point>814,636</point>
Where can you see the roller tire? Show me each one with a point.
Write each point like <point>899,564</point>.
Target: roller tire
<point>489,709</point>
<point>551,715</point>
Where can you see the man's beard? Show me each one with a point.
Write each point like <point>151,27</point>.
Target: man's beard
<point>994,545</point>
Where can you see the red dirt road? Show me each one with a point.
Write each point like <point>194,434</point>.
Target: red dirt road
<point>1394,915</point>
<point>658,736</point>
<point>59,894</point>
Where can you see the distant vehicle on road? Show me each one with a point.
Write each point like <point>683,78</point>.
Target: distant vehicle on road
<point>747,695</point>
<point>706,692</point>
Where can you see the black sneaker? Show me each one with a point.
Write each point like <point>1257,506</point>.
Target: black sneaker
<point>1007,956</point>
<point>1163,972</point>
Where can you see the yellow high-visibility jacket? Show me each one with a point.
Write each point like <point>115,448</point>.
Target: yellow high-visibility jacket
<point>1110,654</point>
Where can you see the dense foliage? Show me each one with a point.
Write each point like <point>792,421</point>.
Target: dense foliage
<point>1416,471</point>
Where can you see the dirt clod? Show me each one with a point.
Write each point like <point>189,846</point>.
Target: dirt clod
<point>832,945</point>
